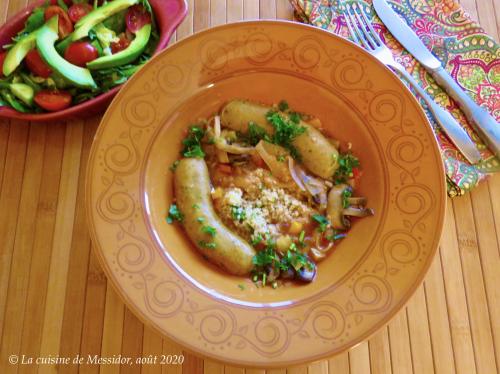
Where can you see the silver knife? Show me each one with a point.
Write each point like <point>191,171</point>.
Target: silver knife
<point>484,124</point>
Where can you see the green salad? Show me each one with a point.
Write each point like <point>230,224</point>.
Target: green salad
<point>70,51</point>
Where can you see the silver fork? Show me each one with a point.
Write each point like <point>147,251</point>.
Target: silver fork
<point>362,33</point>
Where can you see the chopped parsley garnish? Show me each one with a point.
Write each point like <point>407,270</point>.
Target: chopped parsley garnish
<point>285,132</point>
<point>347,162</point>
<point>268,260</point>
<point>209,245</point>
<point>346,194</point>
<point>265,257</point>
<point>296,260</point>
<point>238,213</point>
<point>283,106</point>
<point>241,286</point>
<point>295,117</point>
<point>192,143</point>
<point>256,239</point>
<point>200,219</point>
<point>336,236</point>
<point>322,220</point>
<point>195,206</point>
<point>174,214</point>
<point>256,133</point>
<point>281,158</point>
<point>174,166</point>
<point>209,230</point>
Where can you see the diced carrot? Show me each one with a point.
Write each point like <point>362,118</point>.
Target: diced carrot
<point>295,228</point>
<point>226,169</point>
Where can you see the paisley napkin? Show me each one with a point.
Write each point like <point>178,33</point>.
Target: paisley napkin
<point>468,53</point>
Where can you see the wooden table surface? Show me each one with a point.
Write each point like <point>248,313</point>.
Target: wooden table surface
<point>55,300</point>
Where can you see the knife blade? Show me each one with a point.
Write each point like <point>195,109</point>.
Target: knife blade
<point>484,124</point>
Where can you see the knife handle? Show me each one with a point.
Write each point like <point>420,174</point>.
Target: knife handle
<point>484,124</point>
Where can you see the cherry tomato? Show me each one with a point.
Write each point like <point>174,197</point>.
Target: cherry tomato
<point>2,58</point>
<point>65,24</point>
<point>77,11</point>
<point>136,17</point>
<point>120,45</point>
<point>79,53</point>
<point>37,65</point>
<point>53,101</point>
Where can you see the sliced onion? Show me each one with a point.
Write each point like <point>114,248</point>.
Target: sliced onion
<point>222,145</point>
<point>320,247</point>
<point>293,173</point>
<point>317,254</point>
<point>217,127</point>
<point>319,251</point>
<point>278,169</point>
<point>315,186</point>
<point>222,155</point>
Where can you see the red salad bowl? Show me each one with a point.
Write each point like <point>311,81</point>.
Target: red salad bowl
<point>168,15</point>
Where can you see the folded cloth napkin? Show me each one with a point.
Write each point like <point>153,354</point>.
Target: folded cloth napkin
<point>468,53</point>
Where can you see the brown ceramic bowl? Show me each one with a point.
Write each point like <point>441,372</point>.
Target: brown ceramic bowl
<point>168,15</point>
<point>359,287</point>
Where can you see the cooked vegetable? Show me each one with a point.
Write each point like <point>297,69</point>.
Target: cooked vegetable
<point>269,152</point>
<point>217,242</point>
<point>339,206</point>
<point>306,273</point>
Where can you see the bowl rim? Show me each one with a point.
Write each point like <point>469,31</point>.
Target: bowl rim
<point>396,308</point>
<point>167,24</point>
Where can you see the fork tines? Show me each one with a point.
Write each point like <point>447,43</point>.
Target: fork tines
<point>360,27</point>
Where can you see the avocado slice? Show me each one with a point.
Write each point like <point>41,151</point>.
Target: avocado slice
<point>18,52</point>
<point>129,54</point>
<point>45,39</point>
<point>87,22</point>
<point>105,36</point>
<point>23,92</point>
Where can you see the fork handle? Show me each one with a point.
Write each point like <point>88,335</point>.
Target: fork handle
<point>484,124</point>
<point>450,126</point>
